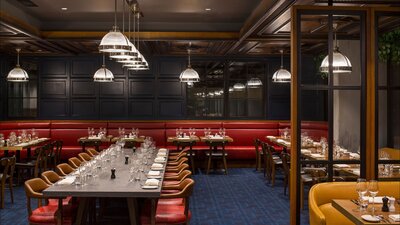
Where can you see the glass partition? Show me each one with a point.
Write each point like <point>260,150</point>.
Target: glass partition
<point>388,95</point>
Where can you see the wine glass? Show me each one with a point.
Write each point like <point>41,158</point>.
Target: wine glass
<point>373,190</point>
<point>362,189</point>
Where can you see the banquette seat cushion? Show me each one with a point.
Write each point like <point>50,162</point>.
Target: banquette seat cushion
<point>321,195</point>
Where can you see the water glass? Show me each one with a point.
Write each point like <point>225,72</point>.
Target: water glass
<point>373,190</point>
<point>362,189</point>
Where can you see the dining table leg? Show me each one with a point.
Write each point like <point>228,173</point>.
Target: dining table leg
<point>81,210</point>
<point>132,208</point>
<point>153,211</point>
<point>60,212</point>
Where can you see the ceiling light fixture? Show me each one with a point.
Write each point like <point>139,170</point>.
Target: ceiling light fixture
<point>17,74</point>
<point>208,9</point>
<point>239,87</point>
<point>114,41</point>
<point>132,53</point>
<point>254,82</point>
<point>103,74</point>
<point>64,8</point>
<point>340,63</point>
<point>189,74</point>
<point>282,75</point>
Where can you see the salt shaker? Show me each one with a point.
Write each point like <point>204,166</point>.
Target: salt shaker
<point>391,205</point>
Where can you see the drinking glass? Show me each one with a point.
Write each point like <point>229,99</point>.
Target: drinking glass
<point>373,190</point>
<point>362,189</point>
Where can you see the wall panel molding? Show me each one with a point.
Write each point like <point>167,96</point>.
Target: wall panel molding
<point>54,88</point>
<point>54,68</point>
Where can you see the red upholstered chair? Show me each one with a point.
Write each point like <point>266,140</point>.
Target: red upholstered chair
<point>64,169</point>
<point>74,162</point>
<point>44,214</point>
<point>83,156</point>
<point>172,208</point>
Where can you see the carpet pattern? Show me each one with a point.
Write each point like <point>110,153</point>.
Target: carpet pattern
<point>242,197</point>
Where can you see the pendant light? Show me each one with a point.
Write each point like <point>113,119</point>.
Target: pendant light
<point>281,75</point>
<point>189,74</point>
<point>239,87</point>
<point>254,82</point>
<point>103,74</point>
<point>17,74</point>
<point>340,63</point>
<point>114,41</point>
<point>132,53</point>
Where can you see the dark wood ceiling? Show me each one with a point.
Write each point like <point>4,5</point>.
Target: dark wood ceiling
<point>251,27</point>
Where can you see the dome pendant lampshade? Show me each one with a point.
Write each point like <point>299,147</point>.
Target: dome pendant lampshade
<point>340,63</point>
<point>239,87</point>
<point>189,74</point>
<point>254,82</point>
<point>103,74</point>
<point>17,74</point>
<point>281,75</point>
<point>114,41</point>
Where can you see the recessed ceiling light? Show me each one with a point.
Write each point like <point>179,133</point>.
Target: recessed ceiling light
<point>208,9</point>
<point>64,8</point>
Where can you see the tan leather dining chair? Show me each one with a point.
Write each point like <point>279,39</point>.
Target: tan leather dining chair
<point>50,177</point>
<point>83,156</point>
<point>74,162</point>
<point>64,169</point>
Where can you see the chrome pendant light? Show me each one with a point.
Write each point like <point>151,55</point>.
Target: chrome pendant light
<point>114,41</point>
<point>18,74</point>
<point>282,75</point>
<point>103,74</point>
<point>340,63</point>
<point>254,82</point>
<point>238,87</point>
<point>189,74</point>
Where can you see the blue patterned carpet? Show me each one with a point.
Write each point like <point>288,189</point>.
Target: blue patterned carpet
<point>239,198</point>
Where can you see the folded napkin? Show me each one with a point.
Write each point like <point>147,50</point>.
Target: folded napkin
<point>67,180</point>
<point>161,154</point>
<point>162,150</point>
<point>305,151</point>
<point>269,136</point>
<point>184,138</point>
<point>94,137</point>
<point>159,159</point>
<point>395,217</point>
<point>317,155</point>
<point>151,182</point>
<point>154,173</point>
<point>377,199</point>
<point>342,165</point>
<point>354,155</point>
<point>157,166</point>
<point>216,137</point>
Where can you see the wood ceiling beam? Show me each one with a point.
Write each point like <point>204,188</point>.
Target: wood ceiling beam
<point>144,35</point>
<point>259,17</point>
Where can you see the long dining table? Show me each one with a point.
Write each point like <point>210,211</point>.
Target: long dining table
<point>102,185</point>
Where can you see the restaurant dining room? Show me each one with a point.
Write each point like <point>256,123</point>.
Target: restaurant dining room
<point>203,112</point>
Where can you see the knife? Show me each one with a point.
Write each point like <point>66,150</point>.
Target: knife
<point>355,202</point>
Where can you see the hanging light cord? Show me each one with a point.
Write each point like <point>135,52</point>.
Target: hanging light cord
<point>104,60</point>
<point>281,59</point>
<point>189,50</point>
<point>138,31</point>
<point>18,50</point>
<point>123,17</point>
<point>115,14</point>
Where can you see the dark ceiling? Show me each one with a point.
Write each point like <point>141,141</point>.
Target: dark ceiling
<point>215,27</point>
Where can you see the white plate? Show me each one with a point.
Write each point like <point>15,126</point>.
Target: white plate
<point>370,218</point>
<point>149,187</point>
<point>153,177</point>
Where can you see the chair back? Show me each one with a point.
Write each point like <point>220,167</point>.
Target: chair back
<point>91,151</point>
<point>33,189</point>
<point>257,144</point>
<point>57,151</point>
<point>64,169</point>
<point>74,162</point>
<point>83,156</point>
<point>50,177</point>
<point>185,191</point>
<point>40,163</point>
<point>5,164</point>
<point>286,163</point>
<point>12,162</point>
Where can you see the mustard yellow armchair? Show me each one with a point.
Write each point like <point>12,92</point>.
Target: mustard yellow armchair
<point>321,195</point>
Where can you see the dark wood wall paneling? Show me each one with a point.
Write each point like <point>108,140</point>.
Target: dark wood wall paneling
<point>67,90</point>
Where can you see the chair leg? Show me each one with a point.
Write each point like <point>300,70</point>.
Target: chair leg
<point>10,184</point>
<point>192,163</point>
<point>209,163</point>
<point>225,165</point>
<point>272,175</point>
<point>257,161</point>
